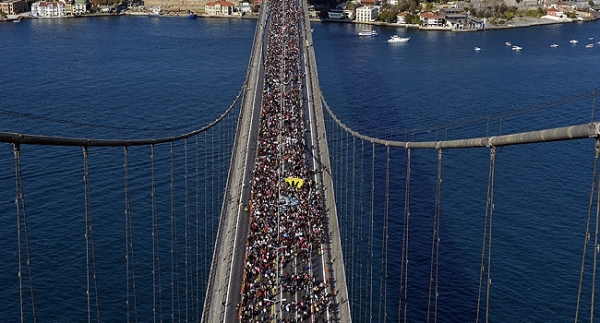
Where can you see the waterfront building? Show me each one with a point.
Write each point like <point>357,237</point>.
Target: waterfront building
<point>244,7</point>
<point>219,8</point>
<point>176,5</point>
<point>68,6</point>
<point>13,7</point>
<point>430,19</point>
<point>43,9</point>
<point>80,7</point>
<point>367,13</point>
<point>553,12</point>
<point>401,17</point>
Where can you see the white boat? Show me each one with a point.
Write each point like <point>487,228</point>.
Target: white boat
<point>554,45</point>
<point>573,41</point>
<point>589,46</point>
<point>515,47</point>
<point>398,39</point>
<point>508,43</point>
<point>477,49</point>
<point>371,33</point>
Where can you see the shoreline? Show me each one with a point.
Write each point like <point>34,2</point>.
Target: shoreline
<point>521,22</point>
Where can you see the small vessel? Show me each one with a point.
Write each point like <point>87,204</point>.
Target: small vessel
<point>371,33</point>
<point>554,45</point>
<point>515,47</point>
<point>192,16</point>
<point>573,41</point>
<point>508,43</point>
<point>589,46</point>
<point>155,13</point>
<point>477,49</point>
<point>398,39</point>
<point>591,38</point>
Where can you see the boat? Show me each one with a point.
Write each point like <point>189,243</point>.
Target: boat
<point>371,33</point>
<point>155,13</point>
<point>192,16</point>
<point>398,39</point>
<point>554,45</point>
<point>589,46</point>
<point>508,43</point>
<point>477,49</point>
<point>515,47</point>
<point>573,41</point>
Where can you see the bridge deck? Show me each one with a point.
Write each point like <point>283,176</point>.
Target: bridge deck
<point>278,253</point>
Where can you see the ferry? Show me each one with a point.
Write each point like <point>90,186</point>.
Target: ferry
<point>371,33</point>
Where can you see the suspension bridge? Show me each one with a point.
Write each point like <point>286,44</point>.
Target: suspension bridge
<point>275,212</point>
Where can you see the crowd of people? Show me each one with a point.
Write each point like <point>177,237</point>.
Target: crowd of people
<point>287,229</point>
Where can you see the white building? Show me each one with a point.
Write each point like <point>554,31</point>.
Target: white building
<point>43,9</point>
<point>245,7</point>
<point>80,7</point>
<point>367,13</point>
<point>219,8</point>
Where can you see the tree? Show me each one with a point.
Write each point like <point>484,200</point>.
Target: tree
<point>387,16</point>
<point>591,2</point>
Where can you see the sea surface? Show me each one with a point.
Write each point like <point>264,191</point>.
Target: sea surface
<point>140,77</point>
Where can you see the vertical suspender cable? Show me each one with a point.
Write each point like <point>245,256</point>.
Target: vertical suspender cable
<point>212,182</point>
<point>87,244</point>
<point>587,228</point>
<point>197,227</point>
<point>438,204</point>
<point>490,223</point>
<point>172,235</point>
<point>384,244</point>
<point>346,188</point>
<point>371,232</point>
<point>156,270</point>
<point>129,244</point>
<point>484,241</point>
<point>18,207</point>
<point>206,227</point>
<point>596,251</point>
<point>126,168</point>
<point>360,231</point>
<point>435,244</point>
<point>27,245</point>
<point>89,240</point>
<point>353,259</point>
<point>402,304</point>
<point>133,282</point>
<point>186,226</point>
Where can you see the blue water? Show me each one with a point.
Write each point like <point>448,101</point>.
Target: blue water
<point>142,77</point>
